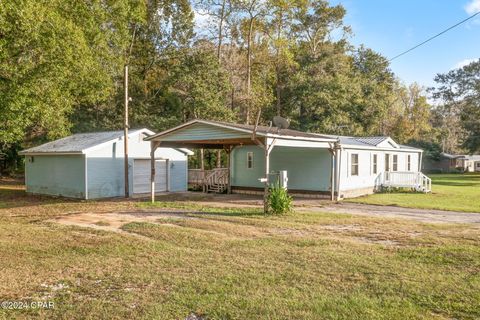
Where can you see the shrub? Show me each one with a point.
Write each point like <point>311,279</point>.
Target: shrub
<point>279,202</point>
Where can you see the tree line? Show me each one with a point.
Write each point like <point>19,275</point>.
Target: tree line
<point>61,72</point>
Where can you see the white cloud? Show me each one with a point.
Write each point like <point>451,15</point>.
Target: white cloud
<point>463,63</point>
<point>472,7</point>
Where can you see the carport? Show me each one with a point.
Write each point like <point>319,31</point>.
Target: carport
<point>226,136</point>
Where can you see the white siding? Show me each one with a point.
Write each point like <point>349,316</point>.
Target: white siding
<point>366,178</point>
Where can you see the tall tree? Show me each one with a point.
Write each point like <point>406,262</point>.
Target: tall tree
<point>459,93</point>
<point>55,56</point>
<point>254,10</point>
<point>413,123</point>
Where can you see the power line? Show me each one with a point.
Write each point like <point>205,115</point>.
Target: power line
<point>435,36</point>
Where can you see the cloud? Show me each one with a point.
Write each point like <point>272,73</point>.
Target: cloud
<point>472,7</point>
<point>463,63</point>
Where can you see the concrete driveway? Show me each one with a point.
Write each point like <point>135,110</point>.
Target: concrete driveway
<point>423,215</point>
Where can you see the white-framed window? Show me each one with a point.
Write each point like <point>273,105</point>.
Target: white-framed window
<point>387,162</point>
<point>409,162</point>
<point>354,164</point>
<point>395,162</point>
<point>375,163</point>
<point>249,160</point>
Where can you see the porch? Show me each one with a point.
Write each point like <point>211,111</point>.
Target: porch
<point>216,180</point>
<point>406,179</point>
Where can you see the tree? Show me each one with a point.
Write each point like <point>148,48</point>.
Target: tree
<point>56,56</point>
<point>458,92</point>
<point>413,122</point>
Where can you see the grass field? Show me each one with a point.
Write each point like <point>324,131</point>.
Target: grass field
<point>457,192</point>
<point>233,264</point>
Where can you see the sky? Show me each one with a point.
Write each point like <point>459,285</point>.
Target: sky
<point>393,26</point>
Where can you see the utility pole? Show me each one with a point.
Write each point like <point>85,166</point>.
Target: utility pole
<point>125,130</point>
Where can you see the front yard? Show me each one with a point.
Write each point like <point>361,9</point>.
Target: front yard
<point>232,263</point>
<point>456,192</point>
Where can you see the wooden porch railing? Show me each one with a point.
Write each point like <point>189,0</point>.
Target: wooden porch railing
<point>215,180</point>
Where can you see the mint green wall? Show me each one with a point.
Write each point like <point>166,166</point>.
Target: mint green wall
<point>308,168</point>
<point>60,175</point>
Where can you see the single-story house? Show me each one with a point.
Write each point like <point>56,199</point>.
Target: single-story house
<point>316,164</point>
<point>91,166</point>
<point>453,163</point>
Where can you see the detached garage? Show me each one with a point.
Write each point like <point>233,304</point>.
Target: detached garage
<point>91,166</point>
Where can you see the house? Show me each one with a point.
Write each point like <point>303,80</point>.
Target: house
<point>469,163</point>
<point>91,166</point>
<point>316,164</point>
<point>453,163</point>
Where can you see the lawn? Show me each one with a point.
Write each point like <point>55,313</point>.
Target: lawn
<point>233,264</point>
<point>457,192</point>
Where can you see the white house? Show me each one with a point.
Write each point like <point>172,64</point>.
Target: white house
<point>91,166</point>
<point>316,164</point>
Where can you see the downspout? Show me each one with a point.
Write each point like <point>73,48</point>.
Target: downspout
<point>85,159</point>
<point>420,156</point>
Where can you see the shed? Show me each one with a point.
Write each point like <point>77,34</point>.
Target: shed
<point>91,166</point>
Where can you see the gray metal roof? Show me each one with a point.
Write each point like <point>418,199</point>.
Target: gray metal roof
<point>272,130</point>
<point>77,143</point>
<point>471,157</point>
<point>260,130</point>
<point>373,141</point>
<point>367,141</point>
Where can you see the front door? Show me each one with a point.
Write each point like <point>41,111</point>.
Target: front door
<point>387,162</point>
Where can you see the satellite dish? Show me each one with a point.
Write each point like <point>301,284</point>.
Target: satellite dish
<point>280,123</point>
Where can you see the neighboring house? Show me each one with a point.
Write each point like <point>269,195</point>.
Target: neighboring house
<point>470,163</point>
<point>316,164</point>
<point>453,163</point>
<point>91,165</point>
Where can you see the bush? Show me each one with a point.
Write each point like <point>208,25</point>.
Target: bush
<point>279,202</point>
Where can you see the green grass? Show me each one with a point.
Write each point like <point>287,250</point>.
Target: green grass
<point>232,264</point>
<point>456,192</point>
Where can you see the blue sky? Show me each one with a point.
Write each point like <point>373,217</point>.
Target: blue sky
<point>393,26</point>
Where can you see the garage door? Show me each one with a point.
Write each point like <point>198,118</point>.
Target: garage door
<point>141,176</point>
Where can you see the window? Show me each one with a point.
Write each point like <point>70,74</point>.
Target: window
<point>409,163</point>
<point>387,162</point>
<point>395,162</point>
<point>249,160</point>
<point>354,165</point>
<point>375,164</point>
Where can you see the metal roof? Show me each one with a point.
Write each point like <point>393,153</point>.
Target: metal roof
<point>272,130</point>
<point>365,142</point>
<point>260,131</point>
<point>471,157</point>
<point>79,142</point>
<point>374,141</point>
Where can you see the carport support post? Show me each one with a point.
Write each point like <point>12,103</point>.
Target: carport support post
<point>268,148</point>
<point>153,146</point>
<point>333,151</point>
<point>229,162</point>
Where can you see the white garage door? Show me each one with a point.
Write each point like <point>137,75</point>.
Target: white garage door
<point>141,176</point>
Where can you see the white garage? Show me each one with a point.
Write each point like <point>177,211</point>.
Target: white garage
<point>141,176</point>
<point>91,166</point>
